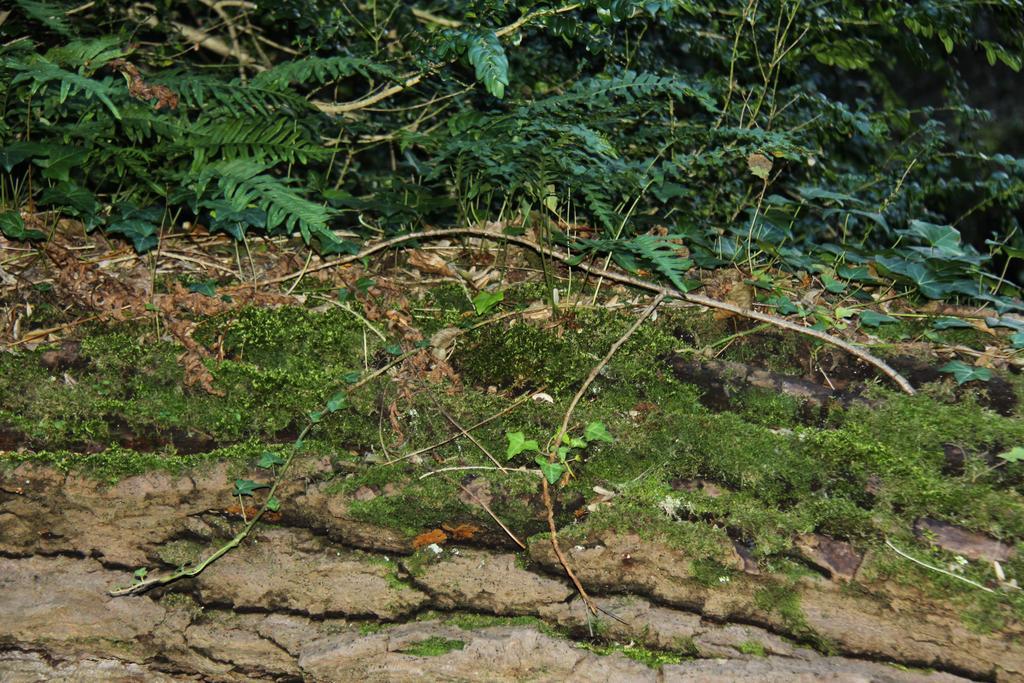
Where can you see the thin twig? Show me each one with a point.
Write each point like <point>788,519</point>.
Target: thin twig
<point>938,569</point>
<point>596,370</point>
<point>345,307</point>
<point>558,549</point>
<point>305,268</point>
<point>420,451</point>
<point>562,431</point>
<point>461,468</point>
<point>482,503</point>
<point>469,436</point>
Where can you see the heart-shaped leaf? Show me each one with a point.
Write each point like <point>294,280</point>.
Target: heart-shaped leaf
<point>517,443</point>
<point>596,431</point>
<point>268,459</point>
<point>1015,454</point>
<point>874,318</point>
<point>949,323</point>
<point>245,487</point>
<point>485,301</point>
<point>337,401</point>
<point>553,471</point>
<point>966,373</point>
<point>208,288</point>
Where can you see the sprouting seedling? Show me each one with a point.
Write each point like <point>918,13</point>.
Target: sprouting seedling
<point>553,469</point>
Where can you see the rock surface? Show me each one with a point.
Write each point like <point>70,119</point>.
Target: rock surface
<point>320,597</point>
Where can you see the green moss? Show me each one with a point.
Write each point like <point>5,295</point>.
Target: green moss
<point>116,463</point>
<point>768,408</point>
<point>752,647</point>
<point>785,602</point>
<point>686,647</point>
<point>433,647</point>
<point>654,659</point>
<point>371,627</point>
<point>868,474</point>
<point>476,622</point>
<point>182,602</point>
<point>180,552</point>
<point>710,573</point>
<point>522,355</point>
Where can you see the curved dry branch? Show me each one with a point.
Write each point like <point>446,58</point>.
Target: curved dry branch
<point>622,278</point>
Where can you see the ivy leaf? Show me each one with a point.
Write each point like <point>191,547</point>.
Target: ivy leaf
<point>207,288</point>
<point>12,225</point>
<point>553,471</point>
<point>487,55</point>
<point>139,225</point>
<point>485,301</point>
<point>139,574</point>
<point>268,459</point>
<point>843,312</point>
<point>316,415</point>
<point>918,273</point>
<point>596,431</point>
<point>783,304</point>
<point>942,238</point>
<point>856,274</point>
<point>337,401</point>
<point>874,318</point>
<point>59,162</point>
<point>833,285</point>
<point>273,504</point>
<point>1015,454</point>
<point>245,487</point>
<point>517,443</point>
<point>947,323</point>
<point>1017,339</point>
<point>966,373</point>
<point>351,377</point>
<point>573,442</point>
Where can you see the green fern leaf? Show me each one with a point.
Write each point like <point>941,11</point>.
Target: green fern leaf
<point>42,73</point>
<point>487,55</point>
<point>318,70</point>
<point>49,14</point>
<point>245,183</point>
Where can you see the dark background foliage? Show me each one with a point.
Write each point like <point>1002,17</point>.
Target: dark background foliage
<point>847,139</point>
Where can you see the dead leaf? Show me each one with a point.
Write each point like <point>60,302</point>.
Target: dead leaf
<point>759,165</point>
<point>461,532</point>
<point>426,262</point>
<point>429,538</point>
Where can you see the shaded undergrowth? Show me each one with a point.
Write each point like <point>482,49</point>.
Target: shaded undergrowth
<point>754,476</point>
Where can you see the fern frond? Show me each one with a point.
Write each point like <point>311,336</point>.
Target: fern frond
<point>88,55</point>
<point>318,70</point>
<point>630,86</point>
<point>42,73</point>
<point>257,138</point>
<point>49,14</point>
<point>660,252</point>
<point>211,94</point>
<point>245,183</point>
